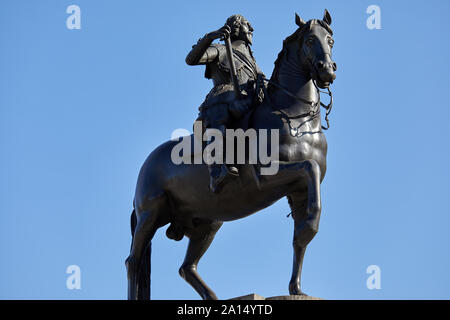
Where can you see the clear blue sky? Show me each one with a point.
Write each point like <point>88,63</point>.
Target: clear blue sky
<point>81,109</point>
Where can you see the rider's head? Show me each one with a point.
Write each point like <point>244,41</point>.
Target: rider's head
<point>241,29</point>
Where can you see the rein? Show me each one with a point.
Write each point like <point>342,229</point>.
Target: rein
<point>315,106</point>
<point>326,107</point>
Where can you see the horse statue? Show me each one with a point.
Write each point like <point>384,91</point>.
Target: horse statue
<point>179,194</point>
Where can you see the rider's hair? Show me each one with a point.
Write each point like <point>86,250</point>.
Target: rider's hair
<point>234,22</point>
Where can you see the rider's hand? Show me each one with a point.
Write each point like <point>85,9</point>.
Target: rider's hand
<point>222,33</point>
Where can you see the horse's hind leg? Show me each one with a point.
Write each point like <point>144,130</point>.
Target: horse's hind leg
<point>148,221</point>
<point>200,240</point>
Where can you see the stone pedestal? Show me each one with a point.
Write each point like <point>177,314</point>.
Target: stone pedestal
<point>255,296</point>
<point>293,298</point>
<point>252,296</point>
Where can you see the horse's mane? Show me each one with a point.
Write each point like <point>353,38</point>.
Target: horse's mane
<point>296,36</point>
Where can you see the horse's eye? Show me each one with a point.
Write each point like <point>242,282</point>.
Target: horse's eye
<point>310,41</point>
<point>331,43</point>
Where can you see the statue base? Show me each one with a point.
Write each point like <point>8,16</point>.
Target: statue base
<point>255,296</point>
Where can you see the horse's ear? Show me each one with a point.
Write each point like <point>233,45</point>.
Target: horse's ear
<point>327,17</point>
<point>299,21</point>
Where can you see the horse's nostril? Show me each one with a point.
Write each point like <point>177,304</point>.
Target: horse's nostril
<point>334,66</point>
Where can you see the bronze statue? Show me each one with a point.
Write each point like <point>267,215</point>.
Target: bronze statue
<point>222,105</point>
<point>179,195</point>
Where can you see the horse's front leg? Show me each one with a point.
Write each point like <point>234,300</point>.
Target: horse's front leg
<point>302,180</point>
<point>306,209</point>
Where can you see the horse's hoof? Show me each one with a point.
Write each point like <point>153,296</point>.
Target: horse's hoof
<point>210,296</point>
<point>294,290</point>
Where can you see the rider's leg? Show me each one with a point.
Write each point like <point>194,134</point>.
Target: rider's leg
<point>217,117</point>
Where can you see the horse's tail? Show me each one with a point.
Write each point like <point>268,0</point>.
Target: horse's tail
<point>145,268</point>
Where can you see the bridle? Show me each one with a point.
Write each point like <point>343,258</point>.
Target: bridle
<point>327,107</point>
<point>313,113</point>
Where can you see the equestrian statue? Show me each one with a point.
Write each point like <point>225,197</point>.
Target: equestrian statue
<point>194,199</point>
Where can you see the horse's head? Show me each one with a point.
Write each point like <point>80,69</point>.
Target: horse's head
<point>316,42</point>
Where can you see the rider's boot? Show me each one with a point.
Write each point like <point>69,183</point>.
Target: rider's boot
<point>217,176</point>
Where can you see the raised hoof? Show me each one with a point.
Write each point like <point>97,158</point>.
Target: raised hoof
<point>189,273</point>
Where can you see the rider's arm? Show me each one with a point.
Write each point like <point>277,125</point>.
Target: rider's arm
<point>202,52</point>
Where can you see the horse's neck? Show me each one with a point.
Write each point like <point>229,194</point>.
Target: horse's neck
<point>295,79</point>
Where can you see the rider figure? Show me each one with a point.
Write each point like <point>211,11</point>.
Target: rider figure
<point>221,107</point>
